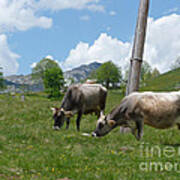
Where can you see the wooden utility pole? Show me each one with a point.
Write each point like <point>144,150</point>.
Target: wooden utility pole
<point>138,48</point>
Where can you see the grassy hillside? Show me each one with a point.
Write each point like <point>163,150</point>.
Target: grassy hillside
<point>30,149</point>
<point>165,82</point>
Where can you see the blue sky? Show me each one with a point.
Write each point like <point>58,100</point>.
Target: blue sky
<point>76,32</point>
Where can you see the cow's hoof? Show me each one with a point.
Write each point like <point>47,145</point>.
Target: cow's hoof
<point>56,128</point>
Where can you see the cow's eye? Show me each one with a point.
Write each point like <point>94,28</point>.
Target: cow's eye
<point>101,125</point>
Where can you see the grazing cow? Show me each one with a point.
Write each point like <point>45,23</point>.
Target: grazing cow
<point>80,99</point>
<point>159,110</point>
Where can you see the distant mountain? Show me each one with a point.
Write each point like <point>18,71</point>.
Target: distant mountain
<point>19,79</point>
<point>21,83</point>
<point>82,72</point>
<point>18,82</point>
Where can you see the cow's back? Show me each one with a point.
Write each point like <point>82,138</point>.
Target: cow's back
<point>160,109</point>
<point>93,95</point>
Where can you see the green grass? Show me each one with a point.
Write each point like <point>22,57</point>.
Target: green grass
<point>165,82</point>
<point>30,149</point>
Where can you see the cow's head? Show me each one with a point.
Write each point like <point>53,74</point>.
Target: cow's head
<point>59,116</point>
<point>104,126</point>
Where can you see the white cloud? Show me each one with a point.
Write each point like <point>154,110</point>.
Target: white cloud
<point>21,15</point>
<point>94,7</point>
<point>161,48</point>
<point>105,48</point>
<point>71,4</point>
<point>163,41</point>
<point>85,18</point>
<point>33,65</point>
<point>49,57</point>
<point>112,13</point>
<point>8,59</point>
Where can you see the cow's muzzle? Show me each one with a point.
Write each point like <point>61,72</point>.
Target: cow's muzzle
<point>95,134</point>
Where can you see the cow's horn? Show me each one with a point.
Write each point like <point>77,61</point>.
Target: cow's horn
<point>62,110</point>
<point>102,116</point>
<point>53,110</point>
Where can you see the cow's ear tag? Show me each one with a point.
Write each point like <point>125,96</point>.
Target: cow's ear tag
<point>68,114</point>
<point>111,123</point>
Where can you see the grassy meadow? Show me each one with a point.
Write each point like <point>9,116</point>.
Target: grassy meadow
<point>31,149</point>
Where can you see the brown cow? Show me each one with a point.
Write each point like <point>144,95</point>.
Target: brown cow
<point>80,99</point>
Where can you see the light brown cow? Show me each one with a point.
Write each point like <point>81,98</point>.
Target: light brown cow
<point>159,110</point>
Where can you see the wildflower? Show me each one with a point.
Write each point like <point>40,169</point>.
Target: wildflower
<point>112,152</point>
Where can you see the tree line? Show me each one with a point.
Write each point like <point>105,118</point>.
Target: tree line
<point>49,73</point>
<point>108,74</point>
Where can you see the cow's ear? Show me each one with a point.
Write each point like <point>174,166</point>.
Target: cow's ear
<point>111,123</point>
<point>53,110</point>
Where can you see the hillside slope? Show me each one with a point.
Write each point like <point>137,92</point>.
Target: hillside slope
<point>165,82</point>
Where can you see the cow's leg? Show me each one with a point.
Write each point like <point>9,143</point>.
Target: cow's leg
<point>139,125</point>
<point>132,125</point>
<point>103,102</point>
<point>78,120</point>
<point>178,125</point>
<point>98,114</point>
<point>67,123</point>
<point>136,127</point>
<point>134,131</point>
